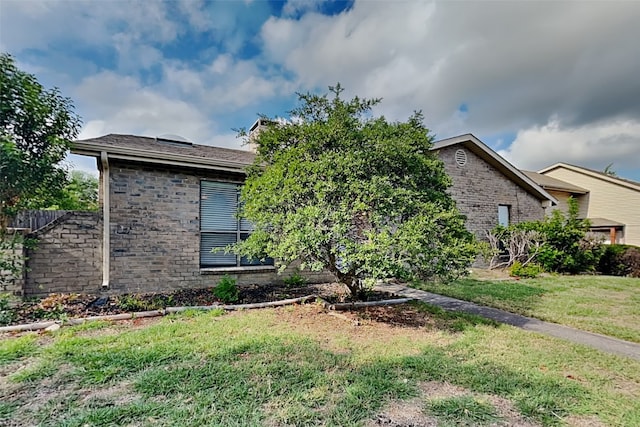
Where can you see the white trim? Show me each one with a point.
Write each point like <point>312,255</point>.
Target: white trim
<point>106,229</point>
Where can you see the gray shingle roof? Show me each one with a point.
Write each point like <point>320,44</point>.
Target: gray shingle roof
<point>162,148</point>
<point>550,183</point>
<point>604,222</point>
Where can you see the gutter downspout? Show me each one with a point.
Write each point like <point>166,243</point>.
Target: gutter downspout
<point>106,250</point>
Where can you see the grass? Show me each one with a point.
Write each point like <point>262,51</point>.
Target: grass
<point>299,366</point>
<point>463,411</point>
<point>11,350</point>
<point>601,304</point>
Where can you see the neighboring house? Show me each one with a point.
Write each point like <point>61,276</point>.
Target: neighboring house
<point>562,191</point>
<point>611,204</point>
<point>488,189</point>
<point>609,230</point>
<point>166,203</point>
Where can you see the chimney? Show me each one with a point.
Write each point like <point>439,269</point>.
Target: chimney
<point>253,133</point>
<point>255,129</point>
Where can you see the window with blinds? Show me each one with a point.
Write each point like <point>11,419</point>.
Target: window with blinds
<point>220,225</point>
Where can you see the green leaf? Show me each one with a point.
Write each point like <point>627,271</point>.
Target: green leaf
<point>364,198</point>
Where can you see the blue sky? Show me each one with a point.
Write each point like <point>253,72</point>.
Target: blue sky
<point>540,82</point>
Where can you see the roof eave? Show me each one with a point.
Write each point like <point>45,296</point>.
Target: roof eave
<point>564,190</point>
<point>132,154</point>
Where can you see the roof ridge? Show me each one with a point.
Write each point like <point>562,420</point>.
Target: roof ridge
<point>154,138</point>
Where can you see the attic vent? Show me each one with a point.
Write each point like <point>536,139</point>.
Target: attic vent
<point>461,157</point>
<point>174,139</point>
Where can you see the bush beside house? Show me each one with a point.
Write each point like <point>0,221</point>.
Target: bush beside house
<point>620,260</point>
<point>559,243</point>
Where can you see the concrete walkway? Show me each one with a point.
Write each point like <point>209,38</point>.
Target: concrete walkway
<point>600,342</point>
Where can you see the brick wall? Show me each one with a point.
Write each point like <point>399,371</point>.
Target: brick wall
<point>13,252</point>
<point>155,237</point>
<point>155,232</point>
<point>67,257</point>
<point>479,188</point>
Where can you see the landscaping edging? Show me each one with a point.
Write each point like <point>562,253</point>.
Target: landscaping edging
<point>170,310</point>
<point>359,304</point>
<point>152,313</point>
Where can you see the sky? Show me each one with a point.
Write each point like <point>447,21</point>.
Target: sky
<point>540,82</point>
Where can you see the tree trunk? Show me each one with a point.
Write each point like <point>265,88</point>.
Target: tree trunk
<point>350,280</point>
<point>355,286</point>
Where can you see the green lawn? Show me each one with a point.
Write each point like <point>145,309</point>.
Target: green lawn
<point>301,366</point>
<point>602,304</point>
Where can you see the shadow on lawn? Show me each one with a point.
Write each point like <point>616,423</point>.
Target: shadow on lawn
<point>269,380</point>
<point>506,294</point>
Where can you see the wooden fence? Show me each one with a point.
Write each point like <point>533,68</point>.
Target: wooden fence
<point>34,219</point>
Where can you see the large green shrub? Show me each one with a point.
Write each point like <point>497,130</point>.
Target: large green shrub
<point>620,260</point>
<point>566,248</point>
<point>37,126</point>
<point>362,197</point>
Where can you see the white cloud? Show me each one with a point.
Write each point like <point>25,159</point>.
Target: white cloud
<point>513,64</point>
<point>225,85</point>
<point>37,25</point>
<point>593,145</point>
<point>125,106</point>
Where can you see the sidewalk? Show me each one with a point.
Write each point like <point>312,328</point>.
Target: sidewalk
<point>600,342</point>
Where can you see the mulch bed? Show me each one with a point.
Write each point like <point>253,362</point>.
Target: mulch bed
<point>61,306</point>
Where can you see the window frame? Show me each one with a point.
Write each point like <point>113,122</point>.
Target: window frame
<point>508,213</point>
<point>242,229</point>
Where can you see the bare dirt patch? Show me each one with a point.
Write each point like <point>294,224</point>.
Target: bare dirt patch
<point>118,394</point>
<point>359,329</point>
<point>411,413</point>
<point>50,392</point>
<point>576,421</point>
<point>486,274</point>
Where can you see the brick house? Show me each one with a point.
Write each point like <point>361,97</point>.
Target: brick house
<point>166,203</point>
<point>487,189</point>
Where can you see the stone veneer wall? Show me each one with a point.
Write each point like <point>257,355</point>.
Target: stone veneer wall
<point>478,188</point>
<point>155,231</point>
<point>67,257</point>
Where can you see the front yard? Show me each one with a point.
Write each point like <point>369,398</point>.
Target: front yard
<point>601,304</point>
<point>299,365</point>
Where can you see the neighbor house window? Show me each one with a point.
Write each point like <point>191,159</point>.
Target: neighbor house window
<point>220,225</point>
<point>503,215</point>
